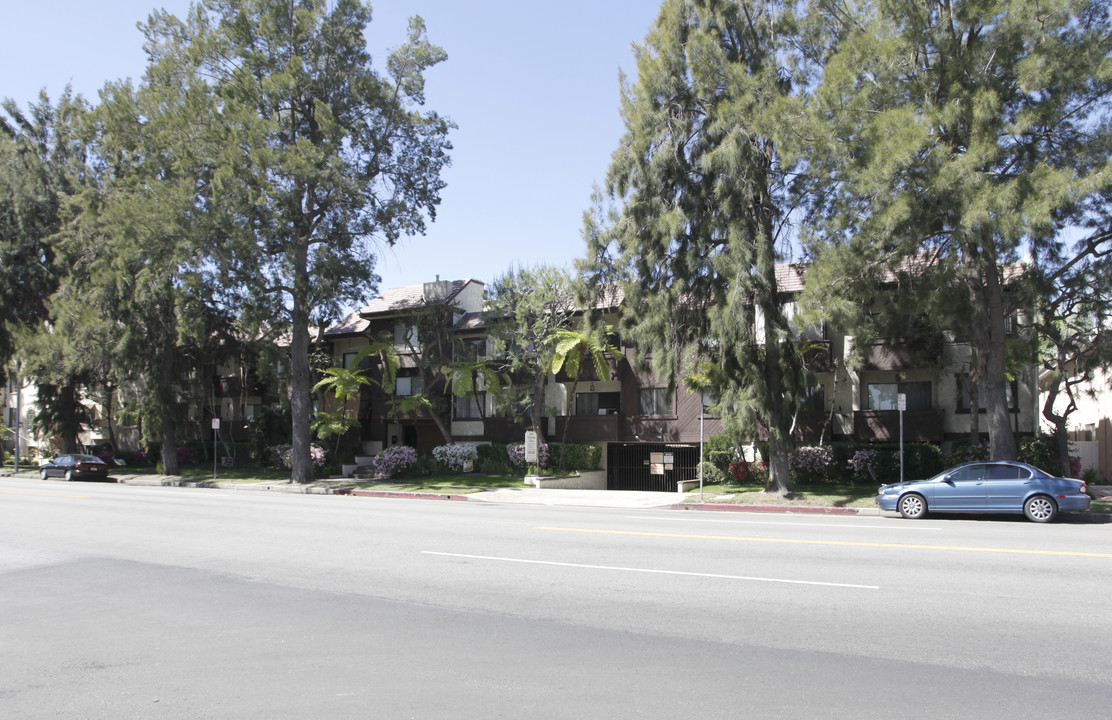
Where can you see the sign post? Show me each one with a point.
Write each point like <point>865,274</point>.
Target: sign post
<point>901,405</point>
<point>215,433</point>
<point>532,450</point>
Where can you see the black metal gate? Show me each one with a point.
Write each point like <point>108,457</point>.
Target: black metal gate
<point>630,466</point>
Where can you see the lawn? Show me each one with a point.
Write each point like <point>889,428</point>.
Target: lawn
<point>454,483</point>
<point>818,494</point>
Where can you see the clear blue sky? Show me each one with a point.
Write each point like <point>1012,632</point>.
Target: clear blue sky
<point>532,85</point>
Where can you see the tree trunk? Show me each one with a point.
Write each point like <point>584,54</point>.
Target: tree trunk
<point>1001,438</point>
<point>301,407</point>
<point>67,396</point>
<point>166,400</point>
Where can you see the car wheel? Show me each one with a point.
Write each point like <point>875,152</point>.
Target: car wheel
<point>42,474</point>
<point>69,475</point>
<point>912,506</point>
<point>1040,509</point>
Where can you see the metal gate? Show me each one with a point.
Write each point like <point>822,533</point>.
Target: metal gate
<point>630,466</point>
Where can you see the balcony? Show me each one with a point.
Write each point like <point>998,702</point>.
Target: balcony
<point>589,428</point>
<point>900,354</point>
<point>884,426</point>
<point>816,355</point>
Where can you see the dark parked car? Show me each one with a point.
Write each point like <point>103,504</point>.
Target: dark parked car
<point>987,487</point>
<point>75,467</point>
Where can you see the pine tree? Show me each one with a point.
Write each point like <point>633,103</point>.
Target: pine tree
<point>320,155</point>
<point>957,137</point>
<point>705,197</point>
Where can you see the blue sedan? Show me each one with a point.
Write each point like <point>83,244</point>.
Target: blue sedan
<point>987,487</point>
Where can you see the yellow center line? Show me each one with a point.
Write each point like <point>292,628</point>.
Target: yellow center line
<point>842,543</point>
<point>43,494</point>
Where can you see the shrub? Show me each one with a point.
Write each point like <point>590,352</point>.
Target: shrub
<point>394,461</point>
<point>721,442</point>
<point>865,464</point>
<point>965,451</point>
<point>577,456</point>
<point>812,464</point>
<point>455,457</point>
<point>516,453</point>
<point>281,456</point>
<point>721,459</point>
<point>1042,452</point>
<point>494,460</point>
<point>186,456</point>
<point>713,475</point>
<point>749,473</point>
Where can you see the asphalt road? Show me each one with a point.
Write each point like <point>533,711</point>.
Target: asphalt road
<point>140,602</point>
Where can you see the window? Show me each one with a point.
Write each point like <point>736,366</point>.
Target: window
<point>467,408</point>
<point>969,472</point>
<point>1006,472</point>
<point>654,401</point>
<point>814,399</point>
<point>349,358</point>
<point>965,397</point>
<point>408,382</point>
<point>591,403</point>
<point>883,396</point>
<point>471,350</point>
<point>405,334</point>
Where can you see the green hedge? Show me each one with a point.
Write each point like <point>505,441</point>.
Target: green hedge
<point>494,460</point>
<point>576,456</point>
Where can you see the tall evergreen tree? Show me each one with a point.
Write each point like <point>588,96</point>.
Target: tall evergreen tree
<point>41,152</point>
<point>704,195</point>
<point>956,136</point>
<point>321,154</point>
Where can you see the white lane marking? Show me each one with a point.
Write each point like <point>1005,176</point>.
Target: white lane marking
<point>908,526</point>
<point>649,570</point>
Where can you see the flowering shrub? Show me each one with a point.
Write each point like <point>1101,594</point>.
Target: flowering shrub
<point>456,456</point>
<point>749,473</point>
<point>812,464</point>
<point>393,461</point>
<point>186,456</point>
<point>282,456</point>
<point>517,455</point>
<point>865,464</point>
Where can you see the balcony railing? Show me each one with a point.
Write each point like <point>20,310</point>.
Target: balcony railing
<point>589,428</point>
<point>884,425</point>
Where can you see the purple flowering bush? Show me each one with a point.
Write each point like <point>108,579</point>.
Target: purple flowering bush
<point>865,464</point>
<point>394,461</point>
<point>812,464</point>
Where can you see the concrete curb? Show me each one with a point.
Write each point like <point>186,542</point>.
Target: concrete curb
<point>401,494</point>
<point>788,509</point>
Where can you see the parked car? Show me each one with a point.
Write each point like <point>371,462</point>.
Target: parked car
<point>987,487</point>
<point>75,467</point>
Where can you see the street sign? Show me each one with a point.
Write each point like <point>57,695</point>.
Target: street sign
<point>901,402</point>
<point>216,423</point>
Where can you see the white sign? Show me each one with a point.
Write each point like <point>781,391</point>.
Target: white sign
<point>531,449</point>
<point>216,423</point>
<point>901,402</point>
